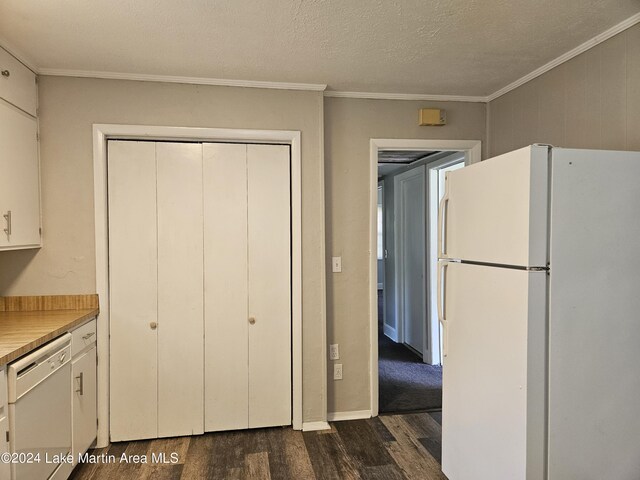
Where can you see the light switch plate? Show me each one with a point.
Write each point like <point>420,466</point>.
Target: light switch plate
<point>336,264</point>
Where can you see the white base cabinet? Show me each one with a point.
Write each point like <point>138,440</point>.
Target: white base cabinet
<point>84,408</point>
<point>84,393</point>
<point>5,468</point>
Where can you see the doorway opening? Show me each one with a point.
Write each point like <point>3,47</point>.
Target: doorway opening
<point>407,361</point>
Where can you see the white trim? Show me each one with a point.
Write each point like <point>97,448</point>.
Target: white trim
<point>353,415</point>
<point>103,132</point>
<point>143,77</point>
<point>473,152</point>
<point>405,96</point>
<point>606,35</point>
<point>323,276</point>
<point>315,426</point>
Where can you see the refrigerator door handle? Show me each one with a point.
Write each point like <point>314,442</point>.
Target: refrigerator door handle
<point>442,212</point>
<point>441,291</point>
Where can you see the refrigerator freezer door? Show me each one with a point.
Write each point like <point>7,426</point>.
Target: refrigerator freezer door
<point>495,211</point>
<point>494,373</point>
<point>594,320</point>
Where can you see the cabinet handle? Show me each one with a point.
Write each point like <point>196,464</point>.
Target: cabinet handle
<point>252,320</point>
<point>88,335</point>
<point>6,73</point>
<point>80,389</point>
<point>153,325</point>
<point>7,217</point>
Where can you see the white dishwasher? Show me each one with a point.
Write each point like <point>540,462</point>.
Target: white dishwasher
<point>39,387</point>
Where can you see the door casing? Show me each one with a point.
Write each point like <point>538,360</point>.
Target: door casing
<point>473,153</point>
<point>101,134</point>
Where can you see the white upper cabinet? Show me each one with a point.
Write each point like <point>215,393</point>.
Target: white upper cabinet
<point>19,180</point>
<point>17,83</point>
<point>19,163</point>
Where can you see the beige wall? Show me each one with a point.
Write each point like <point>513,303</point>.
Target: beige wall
<point>349,125</point>
<point>69,107</point>
<point>591,101</point>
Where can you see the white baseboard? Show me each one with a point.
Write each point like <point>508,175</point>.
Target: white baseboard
<point>313,426</point>
<point>353,415</point>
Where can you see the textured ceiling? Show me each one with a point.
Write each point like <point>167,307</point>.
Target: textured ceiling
<point>439,47</point>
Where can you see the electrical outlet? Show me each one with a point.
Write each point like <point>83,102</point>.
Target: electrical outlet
<point>337,371</point>
<point>334,353</point>
<point>336,264</point>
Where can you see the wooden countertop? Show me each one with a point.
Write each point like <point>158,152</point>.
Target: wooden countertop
<point>23,328</point>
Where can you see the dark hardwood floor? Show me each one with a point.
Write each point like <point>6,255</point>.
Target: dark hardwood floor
<point>391,447</point>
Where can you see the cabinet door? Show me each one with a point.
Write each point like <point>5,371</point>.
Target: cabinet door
<point>5,470</point>
<point>19,86</point>
<point>20,179</point>
<point>84,412</point>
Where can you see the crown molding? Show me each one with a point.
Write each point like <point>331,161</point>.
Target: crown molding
<point>602,37</point>
<point>405,96</point>
<point>313,87</point>
<point>598,39</point>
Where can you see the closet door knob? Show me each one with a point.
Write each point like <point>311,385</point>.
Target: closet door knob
<point>252,320</point>
<point>6,73</point>
<point>153,325</point>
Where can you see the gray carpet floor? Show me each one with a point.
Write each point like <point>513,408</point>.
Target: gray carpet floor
<point>405,383</point>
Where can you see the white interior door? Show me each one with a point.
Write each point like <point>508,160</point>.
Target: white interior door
<point>133,290</point>
<point>225,273</point>
<point>180,286</point>
<point>493,372</point>
<point>410,217</point>
<point>269,285</point>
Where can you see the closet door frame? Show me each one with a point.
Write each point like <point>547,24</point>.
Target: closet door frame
<point>104,132</point>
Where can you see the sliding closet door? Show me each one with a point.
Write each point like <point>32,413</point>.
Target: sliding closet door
<point>225,266</point>
<point>180,286</point>
<point>269,280</point>
<point>132,290</point>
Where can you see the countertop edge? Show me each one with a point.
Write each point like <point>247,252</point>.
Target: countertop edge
<point>29,347</point>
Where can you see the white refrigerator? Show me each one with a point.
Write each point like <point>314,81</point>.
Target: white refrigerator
<point>539,300</point>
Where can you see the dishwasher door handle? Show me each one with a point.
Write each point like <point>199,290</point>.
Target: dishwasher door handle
<point>80,389</point>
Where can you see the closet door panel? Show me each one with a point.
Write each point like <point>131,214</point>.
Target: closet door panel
<point>225,274</point>
<point>269,280</point>
<point>180,285</point>
<point>133,290</point>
